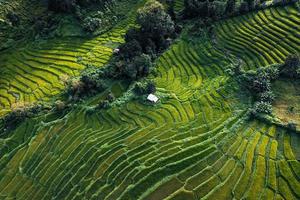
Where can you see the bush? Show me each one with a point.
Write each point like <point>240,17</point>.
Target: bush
<point>20,113</point>
<point>142,88</point>
<point>262,107</point>
<point>291,66</point>
<point>244,8</point>
<point>61,5</point>
<point>134,68</point>
<point>110,97</point>
<point>103,104</point>
<point>89,83</point>
<point>230,7</point>
<point>267,96</point>
<point>195,8</point>
<point>260,81</point>
<point>260,84</point>
<point>130,49</point>
<point>59,105</point>
<point>13,18</point>
<point>292,126</point>
<point>74,87</point>
<point>155,24</point>
<point>91,24</point>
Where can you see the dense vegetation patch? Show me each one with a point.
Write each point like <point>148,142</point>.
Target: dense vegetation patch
<point>259,82</point>
<point>195,144</point>
<point>133,60</point>
<point>217,9</point>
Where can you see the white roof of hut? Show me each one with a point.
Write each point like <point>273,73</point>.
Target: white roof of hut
<point>152,98</point>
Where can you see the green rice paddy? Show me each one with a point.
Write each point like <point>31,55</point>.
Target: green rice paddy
<point>197,143</point>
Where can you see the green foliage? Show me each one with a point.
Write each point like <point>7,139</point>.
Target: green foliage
<point>195,8</point>
<point>20,113</point>
<point>230,7</point>
<point>130,49</point>
<point>259,83</point>
<point>217,9</point>
<point>292,126</point>
<point>89,83</point>
<point>59,105</point>
<point>267,96</point>
<point>13,18</point>
<point>91,24</point>
<point>103,104</point>
<point>61,5</point>
<point>155,23</point>
<point>134,59</point>
<point>139,67</point>
<point>144,87</point>
<point>291,66</point>
<point>262,107</point>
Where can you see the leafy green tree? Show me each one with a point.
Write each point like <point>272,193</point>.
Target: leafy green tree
<point>130,49</point>
<point>195,8</point>
<point>155,23</point>
<point>61,5</point>
<point>230,7</point>
<point>138,67</point>
<point>244,8</point>
<point>291,66</point>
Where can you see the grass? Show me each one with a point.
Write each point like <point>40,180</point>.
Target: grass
<point>194,144</point>
<point>287,91</point>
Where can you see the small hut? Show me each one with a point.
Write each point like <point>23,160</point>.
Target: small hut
<point>152,98</point>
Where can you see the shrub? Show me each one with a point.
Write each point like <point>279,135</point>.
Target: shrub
<point>13,18</point>
<point>89,83</point>
<point>292,126</point>
<point>90,110</point>
<point>271,72</point>
<point>135,68</point>
<point>260,81</point>
<point>171,11</point>
<point>130,49</point>
<point>74,87</point>
<point>267,96</point>
<point>91,24</point>
<point>20,113</point>
<point>291,66</point>
<point>230,7</point>
<point>59,105</point>
<point>132,34</point>
<point>61,5</point>
<point>262,107</point>
<point>103,104</point>
<point>260,84</point>
<point>251,4</point>
<point>244,8</point>
<point>195,8</point>
<point>144,87</point>
<point>110,97</point>
<point>155,23</point>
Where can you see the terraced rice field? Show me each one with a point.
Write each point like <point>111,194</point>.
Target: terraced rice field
<point>194,144</point>
<point>37,72</point>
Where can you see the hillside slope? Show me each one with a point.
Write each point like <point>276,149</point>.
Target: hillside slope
<point>197,143</point>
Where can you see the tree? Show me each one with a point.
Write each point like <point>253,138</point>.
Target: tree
<point>230,7</point>
<point>130,49</point>
<point>138,67</point>
<point>61,5</point>
<point>155,23</point>
<point>291,66</point>
<point>13,18</point>
<point>244,8</point>
<point>195,8</point>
